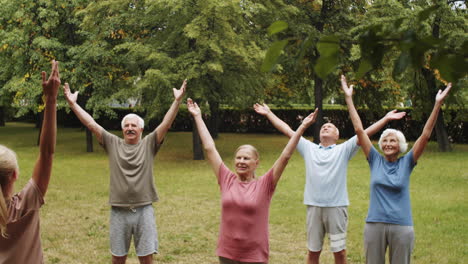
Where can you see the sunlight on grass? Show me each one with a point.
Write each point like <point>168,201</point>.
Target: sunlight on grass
<point>75,218</point>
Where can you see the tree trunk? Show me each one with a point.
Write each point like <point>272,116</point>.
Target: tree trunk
<point>197,145</point>
<point>89,140</point>
<point>2,116</point>
<point>441,134</point>
<point>441,131</point>
<point>327,7</point>
<point>318,101</point>
<point>213,123</point>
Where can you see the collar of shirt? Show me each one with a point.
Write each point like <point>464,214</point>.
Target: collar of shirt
<point>329,147</point>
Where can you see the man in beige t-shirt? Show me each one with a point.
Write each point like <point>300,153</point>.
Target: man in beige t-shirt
<point>132,190</point>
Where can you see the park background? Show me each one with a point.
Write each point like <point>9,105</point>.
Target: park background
<point>126,55</point>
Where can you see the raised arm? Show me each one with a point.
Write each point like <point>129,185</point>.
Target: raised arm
<point>377,126</point>
<point>363,138</point>
<point>208,143</point>
<point>85,118</point>
<point>421,142</point>
<point>162,129</point>
<point>279,124</point>
<point>283,159</point>
<point>43,167</point>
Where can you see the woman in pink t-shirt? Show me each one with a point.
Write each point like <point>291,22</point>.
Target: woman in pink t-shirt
<point>19,213</point>
<point>245,199</point>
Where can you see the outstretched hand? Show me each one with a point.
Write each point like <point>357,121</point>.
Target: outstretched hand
<point>70,97</point>
<point>393,115</point>
<point>441,95</point>
<point>310,119</point>
<point>52,84</point>
<point>193,108</point>
<point>179,94</point>
<point>344,86</point>
<point>262,109</point>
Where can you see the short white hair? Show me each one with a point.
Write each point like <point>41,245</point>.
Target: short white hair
<point>140,121</point>
<point>401,138</point>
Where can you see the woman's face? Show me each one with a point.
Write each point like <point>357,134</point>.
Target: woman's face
<point>390,145</point>
<point>245,162</point>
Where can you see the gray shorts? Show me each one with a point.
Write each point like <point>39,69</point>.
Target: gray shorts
<point>331,220</point>
<point>397,238</point>
<point>137,222</point>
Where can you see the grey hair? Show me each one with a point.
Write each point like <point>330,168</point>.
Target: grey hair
<point>401,138</point>
<point>140,121</point>
<point>252,148</point>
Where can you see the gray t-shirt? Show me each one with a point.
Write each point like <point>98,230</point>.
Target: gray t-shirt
<point>131,170</point>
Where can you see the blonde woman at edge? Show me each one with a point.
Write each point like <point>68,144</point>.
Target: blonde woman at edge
<point>19,214</point>
<point>389,223</point>
<point>245,198</point>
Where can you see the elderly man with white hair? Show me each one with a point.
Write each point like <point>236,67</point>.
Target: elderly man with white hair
<point>132,191</point>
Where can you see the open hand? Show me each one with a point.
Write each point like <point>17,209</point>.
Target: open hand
<point>193,108</point>
<point>179,94</point>
<point>393,115</point>
<point>310,119</point>
<point>70,97</point>
<point>262,109</point>
<point>441,95</point>
<point>52,84</point>
<point>344,86</point>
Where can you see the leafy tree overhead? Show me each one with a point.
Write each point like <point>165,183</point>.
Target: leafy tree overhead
<point>392,35</point>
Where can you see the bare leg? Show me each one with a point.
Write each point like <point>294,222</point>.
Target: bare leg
<point>340,257</point>
<point>118,260</point>
<point>146,259</point>
<point>313,257</point>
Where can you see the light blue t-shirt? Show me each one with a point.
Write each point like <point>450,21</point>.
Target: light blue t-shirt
<point>389,189</point>
<point>326,170</point>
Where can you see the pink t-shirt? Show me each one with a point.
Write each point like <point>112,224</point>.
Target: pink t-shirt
<point>243,234</point>
<point>23,244</point>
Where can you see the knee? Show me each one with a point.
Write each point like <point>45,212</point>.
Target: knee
<point>341,253</point>
<point>119,260</point>
<point>146,259</point>
<point>314,254</point>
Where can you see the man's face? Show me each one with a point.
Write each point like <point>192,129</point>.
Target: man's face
<point>329,132</point>
<point>131,131</point>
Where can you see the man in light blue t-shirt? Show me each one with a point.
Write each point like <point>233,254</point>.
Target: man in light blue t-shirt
<point>325,192</point>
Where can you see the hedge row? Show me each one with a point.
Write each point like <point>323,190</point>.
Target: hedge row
<point>247,121</point>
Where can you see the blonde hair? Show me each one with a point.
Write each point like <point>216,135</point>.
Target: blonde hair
<point>252,148</point>
<point>398,134</point>
<point>8,165</point>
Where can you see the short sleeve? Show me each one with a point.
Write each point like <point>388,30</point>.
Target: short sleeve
<point>268,181</point>
<point>303,145</point>
<point>372,155</point>
<point>225,176</point>
<point>351,147</point>
<point>107,139</point>
<point>152,140</point>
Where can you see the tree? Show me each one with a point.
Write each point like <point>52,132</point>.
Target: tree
<point>32,34</point>
<point>388,28</point>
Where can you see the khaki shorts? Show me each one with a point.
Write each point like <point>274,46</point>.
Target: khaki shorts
<point>137,222</point>
<point>331,220</point>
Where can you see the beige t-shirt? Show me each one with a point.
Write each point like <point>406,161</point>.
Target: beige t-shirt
<point>131,170</point>
<point>23,244</point>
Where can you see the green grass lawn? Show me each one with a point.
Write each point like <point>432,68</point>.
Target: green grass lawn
<point>74,220</point>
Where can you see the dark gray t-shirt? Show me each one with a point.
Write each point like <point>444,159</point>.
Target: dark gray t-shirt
<point>131,170</point>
